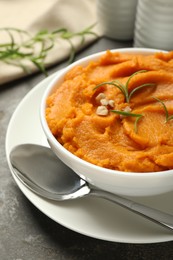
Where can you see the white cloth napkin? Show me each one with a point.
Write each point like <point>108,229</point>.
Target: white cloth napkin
<point>36,15</point>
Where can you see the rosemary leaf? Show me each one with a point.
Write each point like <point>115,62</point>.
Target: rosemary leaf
<point>40,66</point>
<point>115,83</point>
<point>135,73</point>
<point>72,52</point>
<point>136,123</point>
<point>168,117</point>
<point>61,30</point>
<point>139,87</point>
<point>124,113</point>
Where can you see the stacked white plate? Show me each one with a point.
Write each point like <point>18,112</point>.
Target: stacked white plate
<point>154,24</point>
<point>116,18</point>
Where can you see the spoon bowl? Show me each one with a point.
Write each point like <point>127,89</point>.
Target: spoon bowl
<point>39,169</point>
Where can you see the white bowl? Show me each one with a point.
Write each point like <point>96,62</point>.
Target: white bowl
<point>123,183</point>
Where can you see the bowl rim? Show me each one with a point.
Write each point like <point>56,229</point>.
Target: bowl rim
<point>52,86</point>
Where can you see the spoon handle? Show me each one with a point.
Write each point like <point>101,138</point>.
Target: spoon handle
<point>157,216</point>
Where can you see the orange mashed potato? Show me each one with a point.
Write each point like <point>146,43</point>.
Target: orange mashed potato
<point>111,140</point>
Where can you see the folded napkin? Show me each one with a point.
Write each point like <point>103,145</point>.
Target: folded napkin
<point>34,16</point>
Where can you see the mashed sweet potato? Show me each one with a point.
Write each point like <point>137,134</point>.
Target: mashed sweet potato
<point>113,140</point>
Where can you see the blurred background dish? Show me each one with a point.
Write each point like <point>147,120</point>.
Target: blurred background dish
<point>153,26</point>
<point>116,18</point>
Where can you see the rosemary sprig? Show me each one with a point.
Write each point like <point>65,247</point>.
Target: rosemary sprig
<point>68,36</point>
<point>125,114</point>
<point>168,117</point>
<point>22,47</point>
<point>124,87</point>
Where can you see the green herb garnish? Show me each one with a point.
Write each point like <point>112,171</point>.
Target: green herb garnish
<point>124,113</point>
<point>124,88</point>
<point>168,117</point>
<point>23,48</point>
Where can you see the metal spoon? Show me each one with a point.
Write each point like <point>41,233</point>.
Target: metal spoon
<point>40,170</point>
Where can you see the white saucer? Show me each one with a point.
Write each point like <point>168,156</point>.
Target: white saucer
<point>89,216</point>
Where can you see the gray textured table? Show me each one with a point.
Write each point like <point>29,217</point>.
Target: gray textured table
<point>25,232</point>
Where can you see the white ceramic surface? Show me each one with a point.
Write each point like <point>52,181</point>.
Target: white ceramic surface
<point>116,18</point>
<point>124,183</point>
<point>153,26</point>
<point>89,216</point>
